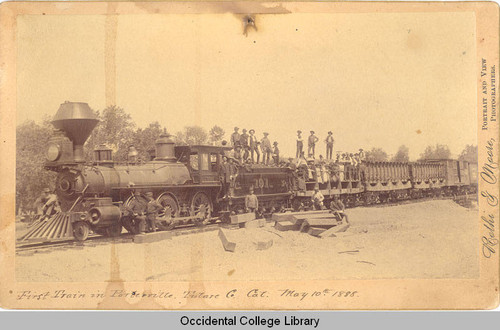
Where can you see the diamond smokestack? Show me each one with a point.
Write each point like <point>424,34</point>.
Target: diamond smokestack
<point>77,120</point>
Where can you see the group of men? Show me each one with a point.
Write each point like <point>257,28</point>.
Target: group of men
<point>247,147</point>
<point>312,140</point>
<point>144,211</point>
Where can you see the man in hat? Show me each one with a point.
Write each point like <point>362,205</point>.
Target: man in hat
<point>137,210</point>
<point>245,147</point>
<point>329,145</point>
<point>152,209</point>
<point>46,205</point>
<point>311,144</point>
<point>254,145</point>
<point>265,145</point>
<point>251,201</point>
<point>337,206</point>
<point>362,156</point>
<point>225,175</point>
<point>276,153</point>
<point>317,199</point>
<point>300,144</point>
<point>235,138</point>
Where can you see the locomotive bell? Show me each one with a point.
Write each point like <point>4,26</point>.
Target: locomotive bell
<point>165,148</point>
<point>77,120</point>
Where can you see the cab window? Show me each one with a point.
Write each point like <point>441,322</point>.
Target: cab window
<point>204,162</point>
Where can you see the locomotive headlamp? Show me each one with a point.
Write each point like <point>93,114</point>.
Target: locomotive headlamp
<point>53,152</point>
<point>95,216</point>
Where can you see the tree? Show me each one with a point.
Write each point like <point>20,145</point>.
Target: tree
<point>401,155</point>
<point>376,155</point>
<point>192,135</point>
<point>216,134</point>
<point>31,146</point>
<point>440,151</point>
<point>469,154</point>
<point>144,139</point>
<point>115,129</point>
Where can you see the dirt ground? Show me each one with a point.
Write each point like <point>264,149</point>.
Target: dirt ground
<point>435,239</point>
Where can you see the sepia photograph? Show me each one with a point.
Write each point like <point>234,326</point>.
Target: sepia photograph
<point>230,155</point>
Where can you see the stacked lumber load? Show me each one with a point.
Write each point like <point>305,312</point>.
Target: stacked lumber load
<point>322,223</point>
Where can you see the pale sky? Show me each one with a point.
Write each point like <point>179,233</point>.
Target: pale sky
<point>374,79</point>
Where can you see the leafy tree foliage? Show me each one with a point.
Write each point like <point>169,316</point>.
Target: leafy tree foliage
<point>402,154</point>
<point>469,153</point>
<point>144,139</point>
<point>115,129</point>
<point>376,155</point>
<point>216,134</point>
<point>31,177</point>
<point>192,135</point>
<point>439,151</point>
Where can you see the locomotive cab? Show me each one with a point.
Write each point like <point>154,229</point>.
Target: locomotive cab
<point>202,161</point>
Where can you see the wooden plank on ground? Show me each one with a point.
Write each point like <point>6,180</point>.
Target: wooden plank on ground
<point>288,216</point>
<point>255,223</point>
<point>285,225</point>
<point>315,231</point>
<point>334,230</point>
<point>228,245</point>
<point>264,244</point>
<point>244,217</point>
<point>321,222</point>
<point>152,237</point>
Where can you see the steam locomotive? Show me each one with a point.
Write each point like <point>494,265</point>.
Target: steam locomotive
<point>186,181</point>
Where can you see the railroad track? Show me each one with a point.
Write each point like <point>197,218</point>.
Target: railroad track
<point>95,240</point>
<point>419,200</point>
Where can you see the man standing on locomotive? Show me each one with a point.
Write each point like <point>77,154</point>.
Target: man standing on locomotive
<point>276,154</point>
<point>254,146</point>
<point>225,175</point>
<point>300,144</point>
<point>311,144</point>
<point>244,144</point>
<point>152,209</point>
<point>329,145</point>
<point>265,145</point>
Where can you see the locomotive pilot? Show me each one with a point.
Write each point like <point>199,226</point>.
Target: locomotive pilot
<point>137,210</point>
<point>317,199</point>
<point>152,209</point>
